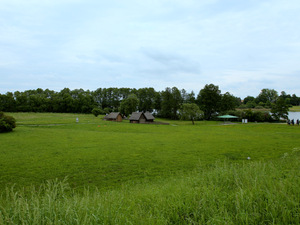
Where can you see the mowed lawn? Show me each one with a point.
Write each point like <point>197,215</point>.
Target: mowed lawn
<point>106,155</point>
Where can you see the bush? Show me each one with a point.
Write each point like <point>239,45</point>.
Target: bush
<point>252,116</point>
<point>7,123</point>
<point>259,107</point>
<point>97,111</point>
<point>243,106</point>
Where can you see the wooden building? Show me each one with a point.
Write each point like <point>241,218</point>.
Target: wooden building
<point>149,117</point>
<point>114,116</point>
<point>140,117</point>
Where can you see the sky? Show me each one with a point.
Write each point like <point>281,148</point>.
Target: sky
<point>241,46</point>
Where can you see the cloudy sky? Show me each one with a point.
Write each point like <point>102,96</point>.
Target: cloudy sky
<point>241,46</point>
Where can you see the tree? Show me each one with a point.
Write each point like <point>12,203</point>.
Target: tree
<point>21,102</point>
<point>191,98</point>
<point>166,103</point>
<point>7,123</point>
<point>267,96</point>
<point>295,100</point>
<point>157,102</point>
<point>280,109</point>
<point>146,99</point>
<point>176,102</point>
<point>171,100</point>
<point>228,102</point>
<point>190,111</point>
<point>248,99</point>
<point>129,105</point>
<point>209,99</point>
<point>7,102</point>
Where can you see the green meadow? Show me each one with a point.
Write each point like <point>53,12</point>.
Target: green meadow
<point>106,154</point>
<point>55,170</point>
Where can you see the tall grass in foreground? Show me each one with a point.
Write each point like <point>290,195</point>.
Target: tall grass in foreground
<point>225,193</point>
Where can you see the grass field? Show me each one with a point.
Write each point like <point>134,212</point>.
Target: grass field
<point>122,173</point>
<point>106,154</point>
<point>225,193</point>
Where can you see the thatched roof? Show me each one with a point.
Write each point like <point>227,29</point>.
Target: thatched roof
<point>112,115</point>
<point>149,116</point>
<point>135,115</point>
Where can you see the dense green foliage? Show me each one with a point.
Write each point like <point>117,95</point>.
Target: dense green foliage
<point>190,111</point>
<point>261,192</point>
<point>129,105</point>
<point>7,123</point>
<point>209,99</point>
<point>165,104</point>
<point>253,115</point>
<point>97,111</point>
<point>267,97</point>
<point>280,109</point>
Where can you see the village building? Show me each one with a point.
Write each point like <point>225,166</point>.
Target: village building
<point>149,117</point>
<point>140,117</point>
<point>114,116</point>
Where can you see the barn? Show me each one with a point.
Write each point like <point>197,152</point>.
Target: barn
<point>140,117</point>
<point>114,116</point>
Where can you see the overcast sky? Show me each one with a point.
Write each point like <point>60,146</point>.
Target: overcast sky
<point>241,46</point>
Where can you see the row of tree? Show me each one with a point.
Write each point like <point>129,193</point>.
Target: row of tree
<point>166,104</point>
<point>267,97</point>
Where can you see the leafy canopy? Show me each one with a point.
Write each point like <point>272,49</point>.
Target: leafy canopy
<point>280,109</point>
<point>129,105</point>
<point>190,111</point>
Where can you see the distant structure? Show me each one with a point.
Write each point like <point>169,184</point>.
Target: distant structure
<point>140,117</point>
<point>114,116</point>
<point>149,117</point>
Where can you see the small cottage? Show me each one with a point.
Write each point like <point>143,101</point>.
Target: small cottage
<point>149,117</point>
<point>140,117</point>
<point>114,116</point>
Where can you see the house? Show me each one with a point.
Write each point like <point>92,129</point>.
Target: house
<point>140,117</point>
<point>114,116</point>
<point>137,117</point>
<point>149,117</point>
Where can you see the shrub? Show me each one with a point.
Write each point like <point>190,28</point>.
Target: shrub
<point>259,107</point>
<point>252,116</point>
<point>7,123</point>
<point>97,111</point>
<point>243,106</point>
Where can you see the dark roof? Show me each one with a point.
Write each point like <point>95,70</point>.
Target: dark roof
<point>149,116</point>
<point>112,115</point>
<point>135,115</point>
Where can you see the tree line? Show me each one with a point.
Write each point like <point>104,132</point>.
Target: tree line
<point>165,104</point>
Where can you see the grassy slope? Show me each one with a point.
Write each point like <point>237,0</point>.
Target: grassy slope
<point>254,192</point>
<point>107,154</point>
